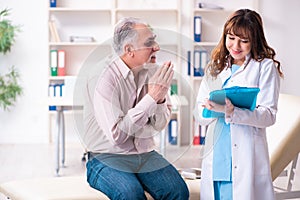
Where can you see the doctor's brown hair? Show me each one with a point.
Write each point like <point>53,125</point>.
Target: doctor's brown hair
<point>243,23</point>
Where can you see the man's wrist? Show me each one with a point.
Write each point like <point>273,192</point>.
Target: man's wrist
<point>161,101</point>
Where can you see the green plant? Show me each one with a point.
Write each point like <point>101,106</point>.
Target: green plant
<point>7,32</point>
<point>9,86</point>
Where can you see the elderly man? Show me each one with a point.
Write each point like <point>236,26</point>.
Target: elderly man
<point>126,106</point>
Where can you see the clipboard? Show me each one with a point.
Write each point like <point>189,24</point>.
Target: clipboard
<point>242,97</point>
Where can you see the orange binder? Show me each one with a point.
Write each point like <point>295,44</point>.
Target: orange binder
<point>61,57</point>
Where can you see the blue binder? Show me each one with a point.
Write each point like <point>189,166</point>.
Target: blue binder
<point>173,129</point>
<point>52,3</point>
<point>188,63</point>
<point>197,28</point>
<point>242,97</point>
<point>200,61</point>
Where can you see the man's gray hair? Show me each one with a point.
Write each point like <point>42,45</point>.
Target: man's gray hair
<point>124,33</point>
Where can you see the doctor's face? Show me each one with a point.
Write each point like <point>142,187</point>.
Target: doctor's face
<point>238,48</point>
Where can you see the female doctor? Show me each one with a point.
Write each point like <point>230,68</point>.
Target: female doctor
<point>235,160</point>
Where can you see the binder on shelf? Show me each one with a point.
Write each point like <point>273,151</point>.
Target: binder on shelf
<point>197,28</point>
<point>53,31</point>
<point>188,63</point>
<point>174,87</point>
<point>200,61</point>
<point>52,3</point>
<point>61,63</point>
<point>199,134</point>
<point>202,135</point>
<point>196,136</point>
<point>51,91</point>
<point>53,62</point>
<point>57,90</point>
<point>173,130</point>
<point>51,108</point>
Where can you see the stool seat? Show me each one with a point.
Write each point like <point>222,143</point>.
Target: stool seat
<point>66,188</point>
<point>53,188</point>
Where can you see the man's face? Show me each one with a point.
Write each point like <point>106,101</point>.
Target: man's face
<point>146,45</point>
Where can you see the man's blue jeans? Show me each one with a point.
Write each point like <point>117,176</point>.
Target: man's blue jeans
<point>127,176</point>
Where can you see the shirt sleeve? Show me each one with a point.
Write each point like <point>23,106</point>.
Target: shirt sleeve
<point>162,114</point>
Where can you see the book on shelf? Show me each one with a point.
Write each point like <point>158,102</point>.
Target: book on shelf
<point>209,6</point>
<point>82,39</point>
<point>53,31</point>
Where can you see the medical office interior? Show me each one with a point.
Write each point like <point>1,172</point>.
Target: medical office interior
<point>40,132</point>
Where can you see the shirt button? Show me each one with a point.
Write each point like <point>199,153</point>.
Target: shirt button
<point>235,145</point>
<point>235,167</point>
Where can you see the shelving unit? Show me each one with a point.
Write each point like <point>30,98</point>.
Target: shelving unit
<point>96,18</point>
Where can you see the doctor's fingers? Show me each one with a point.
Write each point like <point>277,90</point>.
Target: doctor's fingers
<point>217,107</point>
<point>229,107</point>
<point>206,104</point>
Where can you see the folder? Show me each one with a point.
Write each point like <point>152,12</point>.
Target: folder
<point>188,63</point>
<point>52,3</point>
<point>51,91</point>
<point>200,61</point>
<point>242,97</point>
<point>173,128</point>
<point>53,62</point>
<point>174,87</point>
<point>61,62</point>
<point>57,90</point>
<point>202,135</point>
<point>197,28</point>
<point>197,129</point>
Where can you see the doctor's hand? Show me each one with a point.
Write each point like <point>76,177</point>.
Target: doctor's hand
<point>227,108</point>
<point>160,82</point>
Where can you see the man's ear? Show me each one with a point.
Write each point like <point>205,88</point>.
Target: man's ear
<point>128,49</point>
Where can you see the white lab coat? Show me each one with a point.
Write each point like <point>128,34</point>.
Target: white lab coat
<point>251,174</point>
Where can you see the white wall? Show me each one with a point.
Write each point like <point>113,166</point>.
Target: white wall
<point>282,28</point>
<point>28,120</point>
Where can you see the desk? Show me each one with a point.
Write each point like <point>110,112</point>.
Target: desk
<point>61,105</point>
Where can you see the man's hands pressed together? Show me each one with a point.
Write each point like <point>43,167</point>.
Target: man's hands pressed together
<point>160,82</point>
